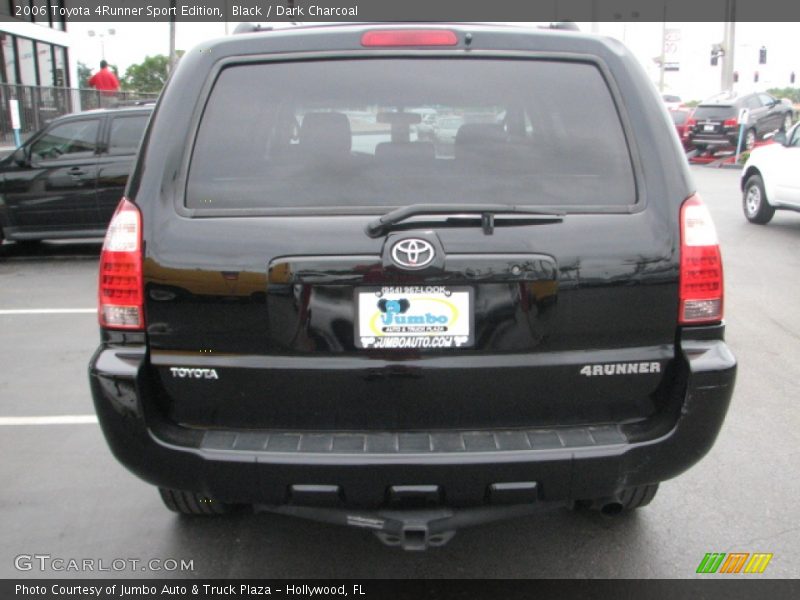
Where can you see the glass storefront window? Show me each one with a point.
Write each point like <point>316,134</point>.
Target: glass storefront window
<point>8,74</point>
<point>62,75</point>
<point>45,61</point>
<point>27,61</point>
<point>56,21</point>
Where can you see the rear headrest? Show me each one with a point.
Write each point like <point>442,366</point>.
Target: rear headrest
<point>325,133</point>
<point>405,152</point>
<point>478,139</point>
<point>480,133</point>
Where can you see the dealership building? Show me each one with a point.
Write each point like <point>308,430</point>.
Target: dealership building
<point>34,50</point>
<point>35,69</point>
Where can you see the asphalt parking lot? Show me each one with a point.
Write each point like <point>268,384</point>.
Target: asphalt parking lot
<point>63,494</point>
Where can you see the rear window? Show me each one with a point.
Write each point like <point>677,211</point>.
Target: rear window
<point>714,111</point>
<point>126,133</point>
<point>350,133</point>
<point>679,116</point>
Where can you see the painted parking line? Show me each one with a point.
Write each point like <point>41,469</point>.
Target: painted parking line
<point>47,311</point>
<point>49,420</point>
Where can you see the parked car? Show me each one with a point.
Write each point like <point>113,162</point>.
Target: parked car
<point>534,321</point>
<point>715,123</point>
<point>771,178</point>
<point>681,117</point>
<point>65,181</point>
<point>672,101</point>
<point>446,128</point>
<point>425,128</point>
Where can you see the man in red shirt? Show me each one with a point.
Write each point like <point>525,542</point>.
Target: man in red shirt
<point>104,80</point>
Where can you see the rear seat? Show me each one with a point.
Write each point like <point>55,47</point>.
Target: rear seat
<point>487,146</point>
<point>324,136</point>
<point>479,141</point>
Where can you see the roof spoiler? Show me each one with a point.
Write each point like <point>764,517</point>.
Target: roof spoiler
<point>250,28</point>
<point>565,25</point>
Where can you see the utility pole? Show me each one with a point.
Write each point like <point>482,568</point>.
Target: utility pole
<point>663,55</point>
<point>728,46</point>
<point>172,57</point>
<point>226,17</point>
<point>663,47</point>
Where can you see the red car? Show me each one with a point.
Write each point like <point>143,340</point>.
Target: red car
<point>682,118</point>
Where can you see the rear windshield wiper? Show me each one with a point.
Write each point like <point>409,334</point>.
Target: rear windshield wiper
<point>486,212</point>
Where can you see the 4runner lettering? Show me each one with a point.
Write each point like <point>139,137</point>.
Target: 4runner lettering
<point>621,369</point>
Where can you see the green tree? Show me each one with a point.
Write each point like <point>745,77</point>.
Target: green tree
<point>84,72</point>
<point>149,75</point>
<point>792,93</point>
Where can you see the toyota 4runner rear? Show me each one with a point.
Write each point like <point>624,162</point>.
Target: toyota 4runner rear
<point>307,308</point>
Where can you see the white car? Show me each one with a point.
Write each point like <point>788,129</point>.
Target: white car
<point>672,101</point>
<point>771,178</point>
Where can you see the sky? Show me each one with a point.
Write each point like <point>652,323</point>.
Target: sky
<point>132,42</point>
<point>696,78</point>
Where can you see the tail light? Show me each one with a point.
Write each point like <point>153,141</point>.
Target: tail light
<point>690,122</point>
<point>121,288</point>
<point>701,284</point>
<point>409,37</point>
<point>730,123</point>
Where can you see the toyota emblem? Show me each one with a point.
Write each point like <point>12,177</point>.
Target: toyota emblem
<point>412,253</point>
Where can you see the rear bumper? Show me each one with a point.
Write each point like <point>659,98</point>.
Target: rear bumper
<point>728,139</point>
<point>456,468</point>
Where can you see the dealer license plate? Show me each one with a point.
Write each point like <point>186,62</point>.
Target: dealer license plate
<point>415,317</point>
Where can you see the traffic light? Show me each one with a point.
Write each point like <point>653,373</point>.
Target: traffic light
<point>716,52</point>
<point>791,78</point>
<point>736,77</point>
<point>762,55</point>
<point>755,77</point>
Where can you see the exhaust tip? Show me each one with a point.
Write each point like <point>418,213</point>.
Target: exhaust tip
<point>612,509</point>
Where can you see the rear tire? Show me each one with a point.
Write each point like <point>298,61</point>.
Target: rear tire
<point>754,202</point>
<point>191,503</point>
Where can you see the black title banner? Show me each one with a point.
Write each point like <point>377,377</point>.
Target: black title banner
<point>265,11</point>
<point>653,589</point>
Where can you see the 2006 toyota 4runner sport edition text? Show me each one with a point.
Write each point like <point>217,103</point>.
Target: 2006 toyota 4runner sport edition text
<point>307,309</point>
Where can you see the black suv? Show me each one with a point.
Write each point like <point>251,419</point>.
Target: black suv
<point>715,123</point>
<point>65,181</point>
<point>305,309</point>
